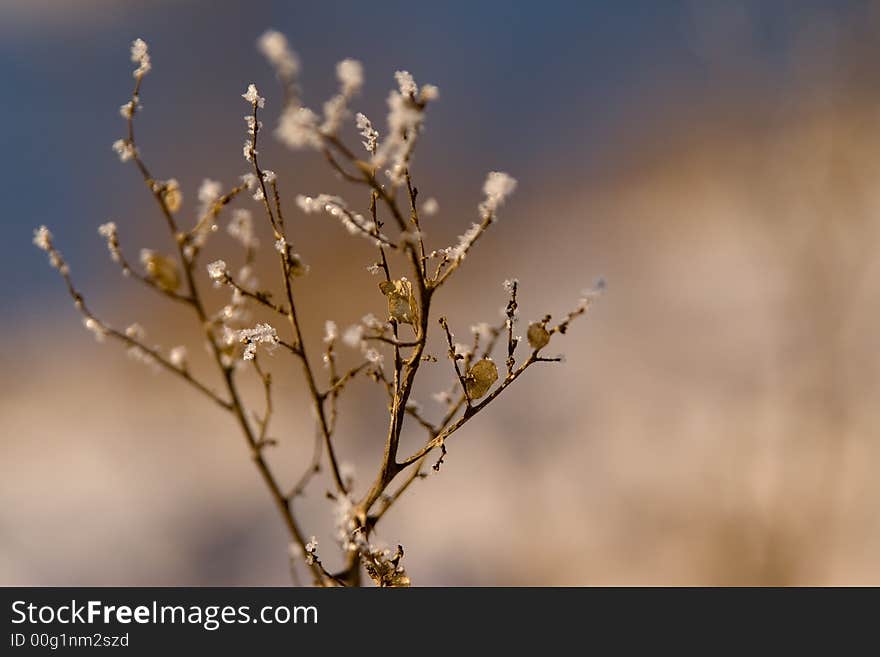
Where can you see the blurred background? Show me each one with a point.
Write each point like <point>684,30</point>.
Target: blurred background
<point>716,420</point>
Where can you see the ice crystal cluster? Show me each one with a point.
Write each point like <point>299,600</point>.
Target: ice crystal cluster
<point>258,328</point>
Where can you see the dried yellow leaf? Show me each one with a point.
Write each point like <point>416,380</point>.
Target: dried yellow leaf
<point>162,270</point>
<point>538,335</point>
<point>402,305</point>
<point>480,378</point>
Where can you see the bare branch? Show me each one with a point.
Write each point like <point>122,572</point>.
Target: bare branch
<point>454,357</point>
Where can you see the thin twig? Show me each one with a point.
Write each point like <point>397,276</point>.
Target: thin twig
<point>263,422</point>
<point>317,402</point>
<point>455,358</point>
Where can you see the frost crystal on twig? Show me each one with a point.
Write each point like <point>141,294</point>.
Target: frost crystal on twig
<point>260,334</point>
<point>141,57</point>
<point>368,132</point>
<point>124,149</point>
<point>218,272</point>
<point>252,96</point>
<point>298,128</point>
<point>274,47</point>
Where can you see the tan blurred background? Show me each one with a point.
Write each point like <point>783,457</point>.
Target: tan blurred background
<point>716,420</point>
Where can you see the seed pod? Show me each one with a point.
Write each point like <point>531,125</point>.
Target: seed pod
<point>538,335</point>
<point>480,378</point>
